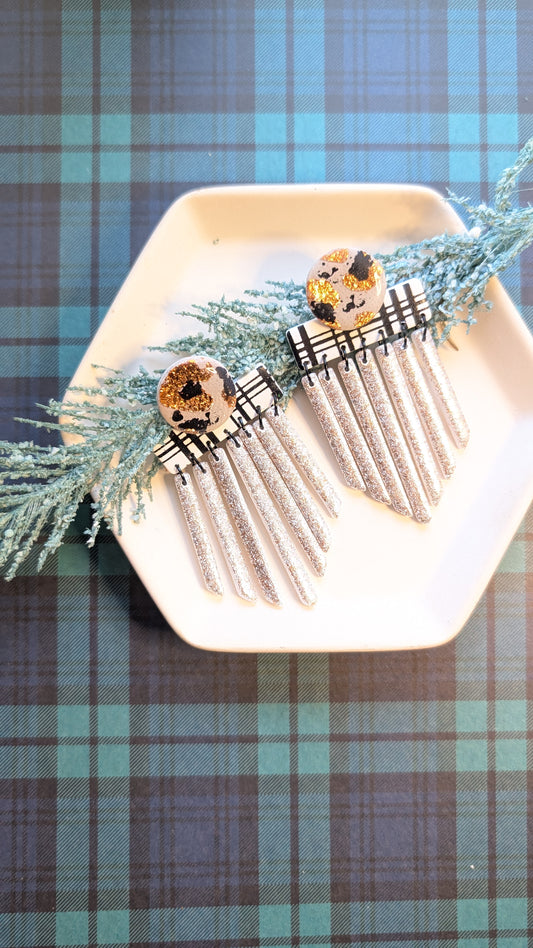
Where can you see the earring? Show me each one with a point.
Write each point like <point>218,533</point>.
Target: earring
<point>231,449</point>
<point>383,399</point>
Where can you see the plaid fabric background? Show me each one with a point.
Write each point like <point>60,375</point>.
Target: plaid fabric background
<point>156,795</point>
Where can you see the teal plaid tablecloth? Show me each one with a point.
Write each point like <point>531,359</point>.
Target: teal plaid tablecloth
<point>155,795</point>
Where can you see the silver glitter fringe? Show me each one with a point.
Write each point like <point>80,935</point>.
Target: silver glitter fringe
<point>374,436</point>
<point>294,482</point>
<point>394,437</point>
<point>333,433</point>
<point>198,533</point>
<point>354,438</point>
<point>305,461</point>
<point>425,405</point>
<point>233,496</point>
<point>442,387</point>
<point>205,480</point>
<point>412,426</point>
<point>272,521</point>
<point>284,499</point>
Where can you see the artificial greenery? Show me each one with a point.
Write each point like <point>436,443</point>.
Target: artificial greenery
<point>116,424</point>
<point>455,268</point>
<point>40,486</point>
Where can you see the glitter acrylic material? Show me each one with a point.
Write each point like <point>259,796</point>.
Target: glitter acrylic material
<point>332,430</point>
<point>444,393</point>
<point>349,426</point>
<point>229,487</point>
<point>358,396</point>
<point>198,533</point>
<point>208,489</point>
<point>305,460</point>
<point>196,394</point>
<point>424,401</point>
<point>345,288</point>
<point>256,448</point>
<point>386,416</point>
<point>388,400</point>
<point>410,421</point>
<point>298,489</point>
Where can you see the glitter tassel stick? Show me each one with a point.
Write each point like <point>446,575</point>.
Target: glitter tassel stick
<point>305,460</point>
<point>394,437</point>
<point>412,426</point>
<point>232,493</point>
<point>205,480</point>
<point>425,405</point>
<point>198,533</point>
<point>286,503</point>
<point>447,399</point>
<point>398,391</point>
<point>354,438</point>
<point>219,438</point>
<point>272,521</point>
<point>294,482</point>
<point>370,426</point>
<point>333,433</point>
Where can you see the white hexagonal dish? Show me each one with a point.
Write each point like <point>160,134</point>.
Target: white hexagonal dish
<point>390,583</point>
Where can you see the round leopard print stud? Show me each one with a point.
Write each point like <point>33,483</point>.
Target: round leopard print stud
<point>196,394</point>
<point>345,288</point>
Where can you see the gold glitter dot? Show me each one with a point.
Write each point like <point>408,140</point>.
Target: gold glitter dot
<point>321,291</point>
<point>337,256</point>
<point>177,378</point>
<point>230,398</point>
<point>352,283</point>
<point>363,319</point>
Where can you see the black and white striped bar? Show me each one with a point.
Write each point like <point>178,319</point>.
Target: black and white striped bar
<point>404,303</point>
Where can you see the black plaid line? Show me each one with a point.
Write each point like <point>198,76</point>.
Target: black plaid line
<point>159,660</point>
<point>30,58</point>
<point>194,841</point>
<point>28,643</point>
<point>191,58</point>
<point>422,675</point>
<point>412,73</point>
<point>28,826</point>
<point>394,836</point>
<point>29,237</point>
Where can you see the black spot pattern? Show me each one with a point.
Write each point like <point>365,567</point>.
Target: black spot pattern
<point>352,305</point>
<point>361,265</point>
<point>325,275</point>
<point>229,385</point>
<point>191,390</point>
<point>323,311</point>
<point>196,424</point>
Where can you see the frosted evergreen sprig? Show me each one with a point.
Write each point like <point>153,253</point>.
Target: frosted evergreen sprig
<point>43,486</point>
<point>246,332</point>
<point>118,424</point>
<point>455,268</point>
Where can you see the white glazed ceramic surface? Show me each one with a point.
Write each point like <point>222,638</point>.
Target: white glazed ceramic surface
<point>390,583</point>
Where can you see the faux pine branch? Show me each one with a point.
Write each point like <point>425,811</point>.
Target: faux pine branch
<point>42,487</point>
<point>117,424</point>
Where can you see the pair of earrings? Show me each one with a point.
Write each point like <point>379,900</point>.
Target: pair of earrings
<point>383,401</point>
